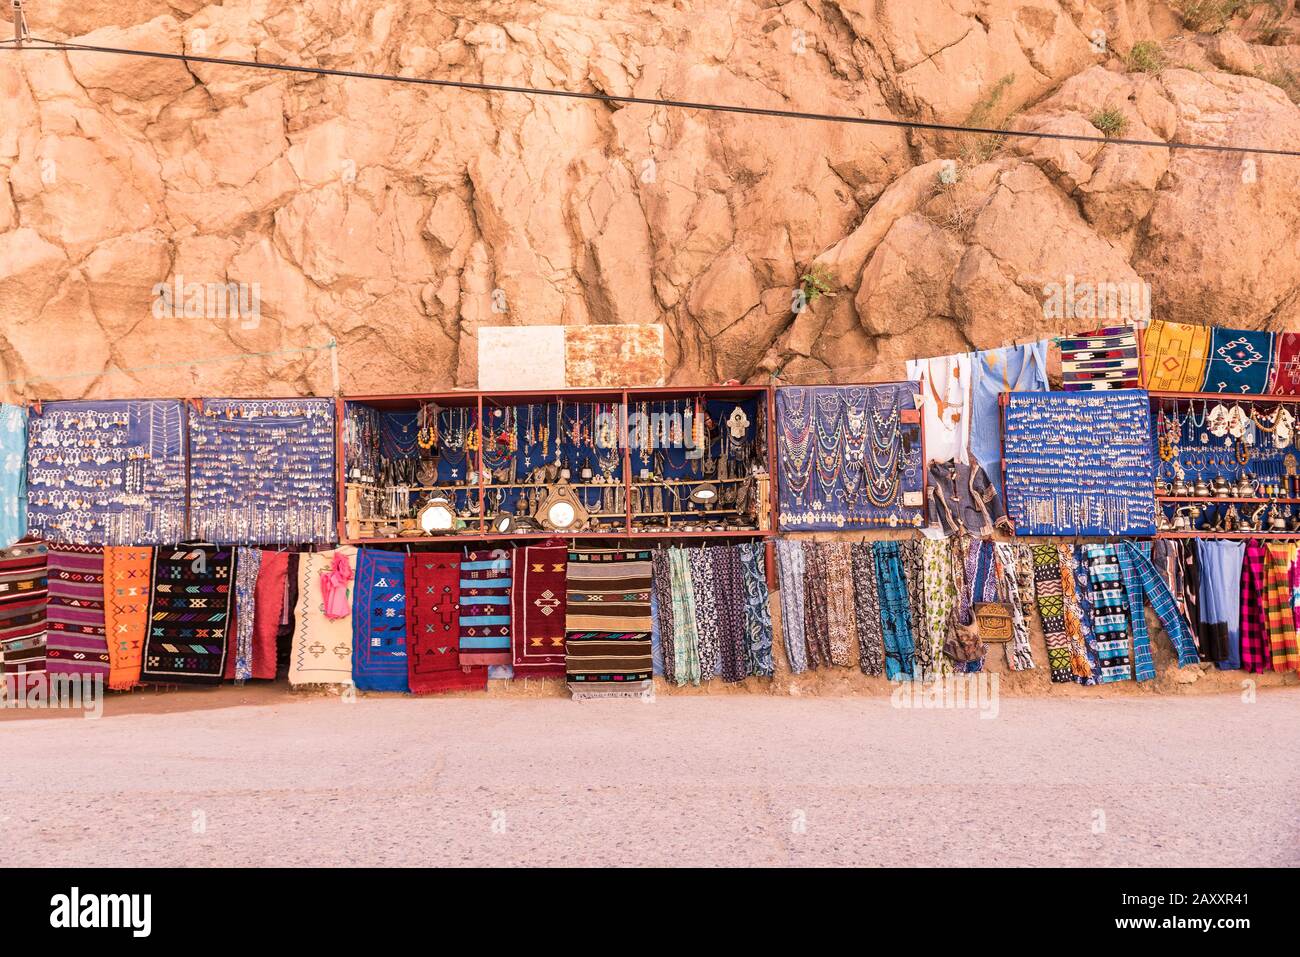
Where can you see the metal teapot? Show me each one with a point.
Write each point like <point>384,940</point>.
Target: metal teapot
<point>1245,487</point>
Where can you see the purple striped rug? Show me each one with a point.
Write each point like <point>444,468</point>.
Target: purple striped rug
<point>75,615</point>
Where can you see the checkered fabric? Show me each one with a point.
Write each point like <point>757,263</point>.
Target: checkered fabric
<point>1256,654</point>
<point>1141,579</point>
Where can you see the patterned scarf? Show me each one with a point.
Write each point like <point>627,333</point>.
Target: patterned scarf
<point>1101,359</point>
<point>320,650</point>
<point>758,617</point>
<point>1281,615</point>
<point>662,595</point>
<point>272,597</point>
<point>729,579</point>
<point>190,605</point>
<point>379,619</point>
<point>866,594</point>
<point>790,577</point>
<point>940,604</point>
<point>1076,627</point>
<point>895,613</point>
<point>841,619</point>
<point>433,666</point>
<point>248,563</point>
<point>13,477</point>
<point>75,643</point>
<point>686,655</point>
<point>126,612</point>
<point>816,581</point>
<point>1012,562</point>
<point>1051,610</point>
<point>537,610</point>
<point>704,589</point>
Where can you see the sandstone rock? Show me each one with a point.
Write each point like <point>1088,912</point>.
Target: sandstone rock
<point>134,78</point>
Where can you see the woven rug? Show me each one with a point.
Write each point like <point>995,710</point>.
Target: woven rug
<point>1241,361</point>
<point>485,608</point>
<point>1102,359</point>
<point>271,596</point>
<point>607,644</point>
<point>22,613</point>
<point>239,661</point>
<point>1286,367</point>
<point>1051,610</point>
<point>1174,356</point>
<point>433,625</point>
<point>539,603</point>
<point>379,617</point>
<point>126,612</point>
<point>75,643</point>
<point>321,648</point>
<point>190,603</point>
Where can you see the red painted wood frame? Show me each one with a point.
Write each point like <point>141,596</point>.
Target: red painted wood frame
<point>624,397</point>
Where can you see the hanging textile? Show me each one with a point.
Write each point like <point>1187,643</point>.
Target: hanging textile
<point>790,578</point>
<point>270,597</point>
<point>866,608</point>
<point>1142,581</point>
<point>1241,361</point>
<point>1174,356</point>
<point>940,605</point>
<point>334,582</point>
<point>106,473</point>
<point>1013,560</point>
<point>607,645</point>
<point>1098,360</point>
<point>963,499</point>
<point>1174,563</point>
<point>289,613</point>
<point>976,583</point>
<point>13,480</point>
<point>1256,649</point>
<point>730,583</point>
<point>190,606</point>
<point>816,580</point>
<point>945,386</point>
<point>379,622</point>
<point>1080,463</point>
<point>1051,610</point>
<point>23,601</point>
<point>841,616</point>
<point>895,613</point>
<point>321,647</point>
<point>1110,623</point>
<point>846,457</point>
<point>758,617</point>
<point>126,612</point>
<point>248,562</point>
<point>686,656</point>
<point>1084,664</point>
<point>1284,648</point>
<point>1220,589</point>
<point>433,609</point>
<point>909,553</point>
<point>1010,369</point>
<point>537,609</point>
<point>75,642</point>
<point>262,471</point>
<point>485,580</point>
<point>661,596</point>
<point>1286,366</point>
<point>704,591</point>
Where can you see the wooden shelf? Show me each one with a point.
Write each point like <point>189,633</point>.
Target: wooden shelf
<point>1239,535</point>
<point>1227,499</point>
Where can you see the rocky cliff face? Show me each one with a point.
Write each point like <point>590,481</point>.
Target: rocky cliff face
<point>397,219</point>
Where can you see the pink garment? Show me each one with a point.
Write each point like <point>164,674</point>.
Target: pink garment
<point>334,587</point>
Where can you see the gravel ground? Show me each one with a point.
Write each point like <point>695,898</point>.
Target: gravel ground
<point>728,780</point>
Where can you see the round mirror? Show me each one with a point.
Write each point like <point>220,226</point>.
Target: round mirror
<point>704,495</point>
<point>561,515</point>
<point>437,516</point>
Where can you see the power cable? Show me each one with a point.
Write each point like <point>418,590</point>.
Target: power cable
<point>64,46</point>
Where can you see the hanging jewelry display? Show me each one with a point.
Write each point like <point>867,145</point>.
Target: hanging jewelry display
<point>847,458</point>
<point>107,473</point>
<point>262,471</point>
<point>1080,463</point>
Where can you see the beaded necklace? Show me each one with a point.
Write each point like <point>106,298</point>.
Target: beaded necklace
<point>829,459</point>
<point>796,440</point>
<point>886,453</point>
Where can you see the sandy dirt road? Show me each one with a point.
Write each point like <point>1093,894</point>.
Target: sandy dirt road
<point>1210,780</point>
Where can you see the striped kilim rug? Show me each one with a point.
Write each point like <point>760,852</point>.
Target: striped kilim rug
<point>75,643</point>
<point>607,623</point>
<point>22,613</point>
